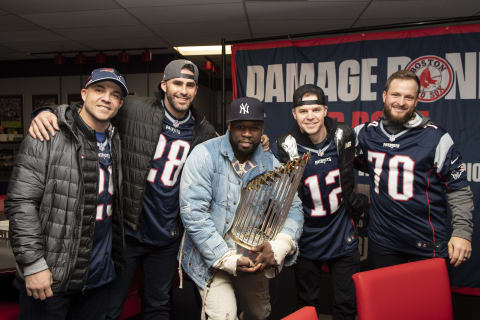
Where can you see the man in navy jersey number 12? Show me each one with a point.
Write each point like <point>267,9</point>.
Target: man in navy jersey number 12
<point>415,172</point>
<point>64,208</point>
<point>329,203</point>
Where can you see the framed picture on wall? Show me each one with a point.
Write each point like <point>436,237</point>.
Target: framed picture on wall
<point>11,115</point>
<point>74,98</point>
<point>43,100</point>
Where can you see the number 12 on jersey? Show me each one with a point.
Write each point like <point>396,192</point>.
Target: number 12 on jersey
<point>318,209</point>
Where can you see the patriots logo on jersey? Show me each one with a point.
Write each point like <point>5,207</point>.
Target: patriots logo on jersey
<point>174,130</point>
<point>101,145</point>
<point>458,172</point>
<point>391,145</point>
<point>323,161</point>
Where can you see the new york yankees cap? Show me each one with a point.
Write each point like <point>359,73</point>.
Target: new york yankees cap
<point>174,70</point>
<point>308,88</point>
<point>246,109</point>
<point>108,74</point>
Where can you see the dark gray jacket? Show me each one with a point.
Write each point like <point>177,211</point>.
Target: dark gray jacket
<point>140,123</point>
<point>52,198</point>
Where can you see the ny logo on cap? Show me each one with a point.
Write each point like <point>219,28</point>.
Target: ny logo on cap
<point>244,108</point>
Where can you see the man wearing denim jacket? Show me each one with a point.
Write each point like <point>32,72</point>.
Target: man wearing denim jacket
<point>210,188</point>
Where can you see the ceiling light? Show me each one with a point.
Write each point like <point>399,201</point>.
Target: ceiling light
<point>203,50</point>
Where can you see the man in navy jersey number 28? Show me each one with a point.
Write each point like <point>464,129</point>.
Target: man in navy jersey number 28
<point>415,171</point>
<point>329,203</point>
<point>63,204</point>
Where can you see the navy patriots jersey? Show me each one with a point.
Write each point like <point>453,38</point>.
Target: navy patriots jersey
<point>328,231</point>
<point>410,173</point>
<point>101,270</point>
<point>159,221</point>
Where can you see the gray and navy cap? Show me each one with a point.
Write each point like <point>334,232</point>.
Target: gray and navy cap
<point>311,89</point>
<point>108,74</point>
<point>174,70</point>
<point>246,109</point>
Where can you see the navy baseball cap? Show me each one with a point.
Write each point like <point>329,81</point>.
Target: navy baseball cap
<point>246,109</point>
<point>108,74</point>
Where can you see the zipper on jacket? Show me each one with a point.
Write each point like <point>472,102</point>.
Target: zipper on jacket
<point>75,243</point>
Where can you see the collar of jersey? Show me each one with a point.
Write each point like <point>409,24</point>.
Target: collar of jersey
<point>172,119</point>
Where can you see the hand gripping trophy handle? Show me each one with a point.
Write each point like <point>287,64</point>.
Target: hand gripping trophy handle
<point>265,203</point>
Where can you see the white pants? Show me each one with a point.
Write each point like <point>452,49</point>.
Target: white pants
<point>219,300</point>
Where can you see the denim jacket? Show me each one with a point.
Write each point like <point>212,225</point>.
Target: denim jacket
<point>209,194</point>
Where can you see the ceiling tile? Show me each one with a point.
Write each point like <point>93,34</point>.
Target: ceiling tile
<point>179,34</point>
<point>216,29</point>
<point>156,3</point>
<point>15,23</point>
<point>46,46</point>
<point>98,18</point>
<point>124,43</point>
<point>51,6</point>
<point>194,13</point>
<point>29,36</point>
<point>304,10</point>
<point>424,9</point>
<point>94,33</point>
<point>7,50</point>
<point>192,40</point>
<point>383,21</point>
<point>16,56</point>
<point>338,1</point>
<point>284,27</point>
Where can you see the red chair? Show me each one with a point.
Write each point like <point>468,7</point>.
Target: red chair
<point>9,311</point>
<point>305,313</point>
<point>415,291</point>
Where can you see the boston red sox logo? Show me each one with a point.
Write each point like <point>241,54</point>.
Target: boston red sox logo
<point>436,77</point>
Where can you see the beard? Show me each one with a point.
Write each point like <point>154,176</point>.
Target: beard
<point>400,121</point>
<point>244,153</point>
<point>174,105</point>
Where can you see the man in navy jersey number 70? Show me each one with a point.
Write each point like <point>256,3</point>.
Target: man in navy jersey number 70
<point>329,203</point>
<point>63,204</point>
<point>415,171</point>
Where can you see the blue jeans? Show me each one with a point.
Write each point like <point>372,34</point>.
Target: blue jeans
<point>159,266</point>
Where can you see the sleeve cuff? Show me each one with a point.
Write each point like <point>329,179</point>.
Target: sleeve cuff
<point>35,267</point>
<point>462,234</point>
<point>228,263</point>
<point>282,246</point>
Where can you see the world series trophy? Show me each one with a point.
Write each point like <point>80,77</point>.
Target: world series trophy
<point>264,205</point>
